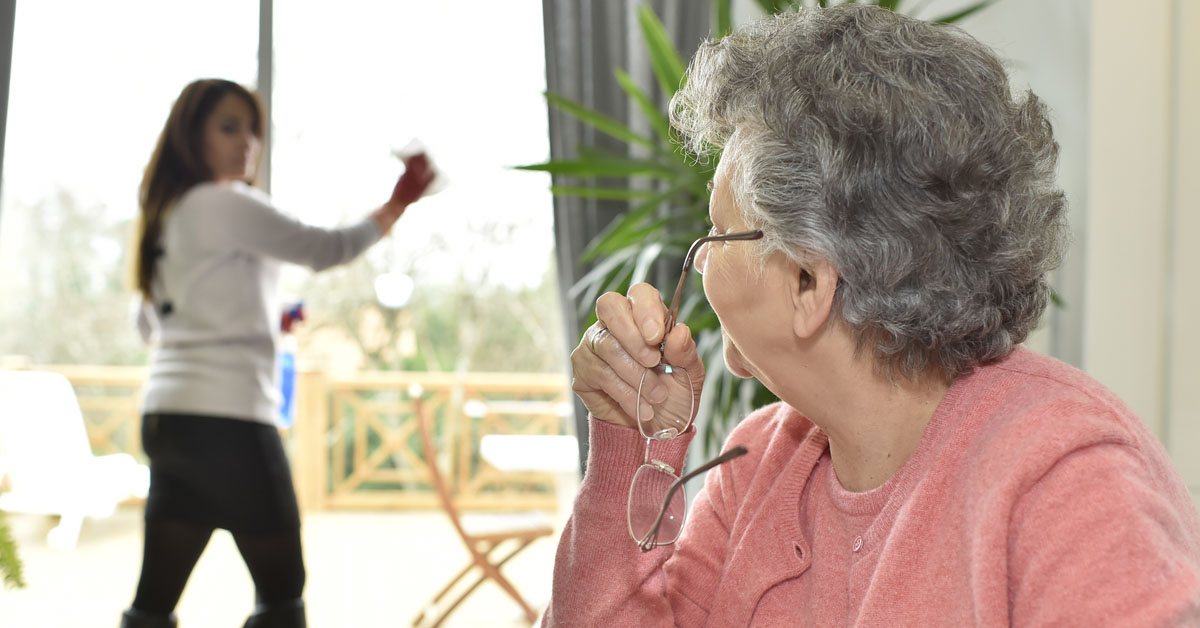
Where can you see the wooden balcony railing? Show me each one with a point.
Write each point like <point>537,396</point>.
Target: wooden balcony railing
<point>354,442</point>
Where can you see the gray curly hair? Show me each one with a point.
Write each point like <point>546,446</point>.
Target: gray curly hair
<point>893,149</point>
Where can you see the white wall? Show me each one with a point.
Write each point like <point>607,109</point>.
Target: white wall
<point>1142,293</point>
<point>1128,257</point>
<point>1182,425</point>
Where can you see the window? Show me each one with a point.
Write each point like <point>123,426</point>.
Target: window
<point>90,90</point>
<point>351,86</point>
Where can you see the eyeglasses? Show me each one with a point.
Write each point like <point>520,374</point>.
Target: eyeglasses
<point>666,406</point>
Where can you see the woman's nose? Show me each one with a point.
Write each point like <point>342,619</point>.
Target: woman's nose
<point>701,258</point>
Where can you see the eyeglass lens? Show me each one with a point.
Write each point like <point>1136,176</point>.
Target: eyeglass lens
<point>666,401</point>
<point>666,522</point>
<point>650,485</point>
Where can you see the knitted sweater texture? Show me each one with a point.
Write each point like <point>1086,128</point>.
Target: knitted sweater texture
<point>1034,498</point>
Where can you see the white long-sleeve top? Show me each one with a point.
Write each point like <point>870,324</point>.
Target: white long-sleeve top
<point>215,304</point>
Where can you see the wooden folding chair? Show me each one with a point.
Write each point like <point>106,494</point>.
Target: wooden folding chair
<point>482,541</point>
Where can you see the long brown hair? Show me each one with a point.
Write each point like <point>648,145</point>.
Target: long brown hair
<point>178,163</point>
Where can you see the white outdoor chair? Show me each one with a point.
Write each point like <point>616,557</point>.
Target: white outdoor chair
<point>46,461</point>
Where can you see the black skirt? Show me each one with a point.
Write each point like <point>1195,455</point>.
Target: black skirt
<point>219,472</point>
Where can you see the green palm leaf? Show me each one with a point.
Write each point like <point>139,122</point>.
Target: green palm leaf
<point>954,17</point>
<point>601,270</point>
<point>611,194</point>
<point>633,234</point>
<point>668,66</point>
<point>771,7</point>
<point>624,230</point>
<point>605,167</point>
<point>657,120</point>
<point>599,121</point>
<point>649,254</point>
<point>722,17</point>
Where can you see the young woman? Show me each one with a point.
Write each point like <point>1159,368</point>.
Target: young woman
<point>209,249</point>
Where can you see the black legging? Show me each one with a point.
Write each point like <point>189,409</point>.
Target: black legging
<point>172,548</point>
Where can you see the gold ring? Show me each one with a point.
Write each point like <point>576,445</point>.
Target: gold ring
<point>595,337</point>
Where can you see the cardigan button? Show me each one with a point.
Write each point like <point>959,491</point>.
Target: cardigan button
<point>858,543</point>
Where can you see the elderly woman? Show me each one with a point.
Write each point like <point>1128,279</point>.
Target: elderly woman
<point>884,216</point>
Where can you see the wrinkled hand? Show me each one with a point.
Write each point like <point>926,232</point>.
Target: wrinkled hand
<point>608,364</point>
<point>412,184</point>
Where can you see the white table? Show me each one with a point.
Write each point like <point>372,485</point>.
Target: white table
<point>538,452</point>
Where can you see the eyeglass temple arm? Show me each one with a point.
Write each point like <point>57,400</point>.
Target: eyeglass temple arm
<point>652,536</point>
<point>673,312</point>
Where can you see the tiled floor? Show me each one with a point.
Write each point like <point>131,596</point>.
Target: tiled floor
<point>364,569</point>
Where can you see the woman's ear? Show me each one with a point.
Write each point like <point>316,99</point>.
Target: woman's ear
<point>813,298</point>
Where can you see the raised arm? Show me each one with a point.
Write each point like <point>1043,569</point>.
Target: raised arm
<point>245,218</point>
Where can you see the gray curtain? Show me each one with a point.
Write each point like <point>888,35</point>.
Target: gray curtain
<point>585,41</point>
<point>8,10</point>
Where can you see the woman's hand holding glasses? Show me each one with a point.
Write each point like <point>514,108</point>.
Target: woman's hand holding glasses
<point>625,350</point>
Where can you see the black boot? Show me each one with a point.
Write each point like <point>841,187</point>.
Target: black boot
<point>288,614</point>
<point>133,618</point>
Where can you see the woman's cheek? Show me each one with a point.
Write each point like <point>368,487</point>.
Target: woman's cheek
<point>734,361</point>
<point>716,290</point>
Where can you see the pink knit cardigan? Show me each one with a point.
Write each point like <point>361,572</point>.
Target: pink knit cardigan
<point>1035,498</point>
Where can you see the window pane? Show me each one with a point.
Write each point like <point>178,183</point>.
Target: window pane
<point>91,87</point>
<point>352,85</point>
